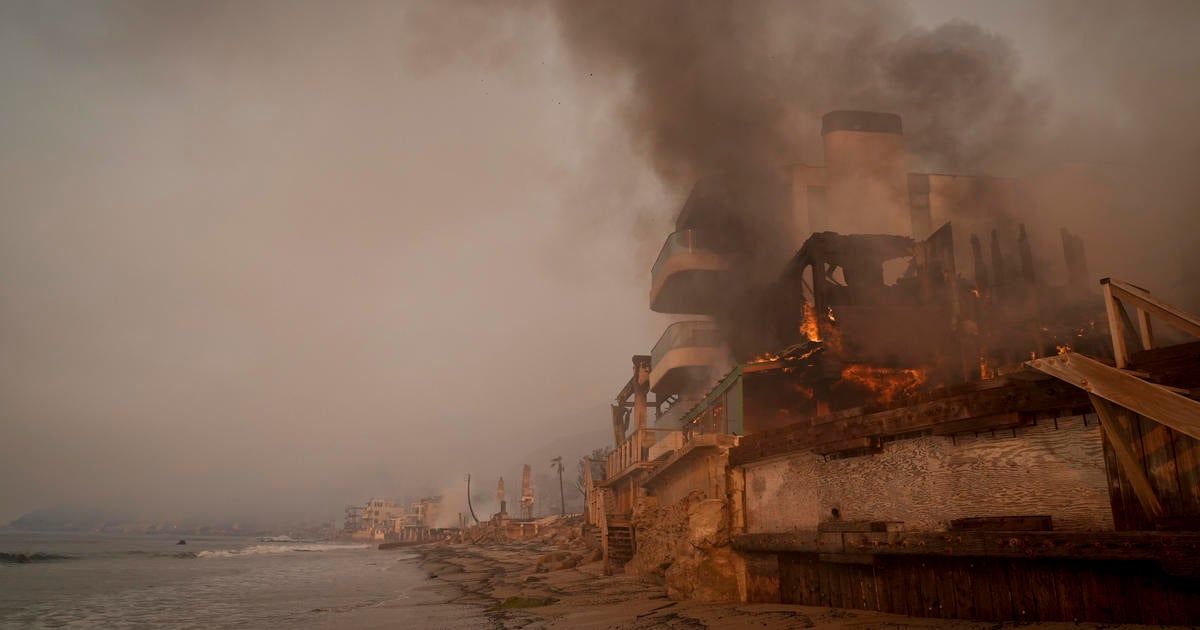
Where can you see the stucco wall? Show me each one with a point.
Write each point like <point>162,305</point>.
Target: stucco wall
<point>928,481</point>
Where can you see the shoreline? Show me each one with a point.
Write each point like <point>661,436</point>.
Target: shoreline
<point>503,580</point>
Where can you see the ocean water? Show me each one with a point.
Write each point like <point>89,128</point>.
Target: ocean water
<point>57,580</point>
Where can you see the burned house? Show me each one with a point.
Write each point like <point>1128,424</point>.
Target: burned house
<point>889,406</point>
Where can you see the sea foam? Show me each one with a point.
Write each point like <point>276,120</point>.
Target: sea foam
<point>276,548</point>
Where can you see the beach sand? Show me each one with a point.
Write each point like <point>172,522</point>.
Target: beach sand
<point>583,597</point>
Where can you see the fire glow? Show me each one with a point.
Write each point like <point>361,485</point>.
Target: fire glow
<point>887,384</point>
<point>808,326</point>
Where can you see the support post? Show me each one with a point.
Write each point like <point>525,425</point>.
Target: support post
<point>1115,424</point>
<point>1116,326</point>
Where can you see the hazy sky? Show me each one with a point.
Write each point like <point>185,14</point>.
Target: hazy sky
<point>265,258</point>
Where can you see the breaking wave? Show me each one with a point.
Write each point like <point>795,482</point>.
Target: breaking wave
<point>26,558</point>
<point>278,548</point>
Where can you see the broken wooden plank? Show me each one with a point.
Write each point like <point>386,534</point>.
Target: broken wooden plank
<point>1147,399</point>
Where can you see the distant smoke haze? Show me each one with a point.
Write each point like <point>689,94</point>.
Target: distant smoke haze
<point>264,259</point>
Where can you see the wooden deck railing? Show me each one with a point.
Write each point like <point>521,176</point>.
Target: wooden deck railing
<point>635,450</point>
<point>627,454</point>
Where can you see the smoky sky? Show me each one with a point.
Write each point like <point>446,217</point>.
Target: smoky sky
<point>262,259</point>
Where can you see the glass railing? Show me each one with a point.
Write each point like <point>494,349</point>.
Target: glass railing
<point>689,334</point>
<point>683,242</point>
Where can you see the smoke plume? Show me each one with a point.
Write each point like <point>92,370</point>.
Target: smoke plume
<point>729,87</point>
<point>725,85</point>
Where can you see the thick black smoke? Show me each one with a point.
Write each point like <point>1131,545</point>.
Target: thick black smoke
<point>720,85</point>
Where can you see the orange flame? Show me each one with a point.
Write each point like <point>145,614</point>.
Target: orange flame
<point>765,357</point>
<point>1063,349</point>
<point>886,383</point>
<point>985,371</point>
<point>808,326</point>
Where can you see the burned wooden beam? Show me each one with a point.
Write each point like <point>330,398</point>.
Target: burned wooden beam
<point>953,413</point>
<point>999,273</point>
<point>981,273</point>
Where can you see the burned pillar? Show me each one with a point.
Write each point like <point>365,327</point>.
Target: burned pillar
<point>998,271</point>
<point>1077,271</point>
<point>527,493</point>
<point>500,496</point>
<point>866,173</point>
<point>1026,256</point>
<point>981,272</point>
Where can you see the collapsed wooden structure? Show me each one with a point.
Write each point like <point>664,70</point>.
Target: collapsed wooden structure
<point>907,418</point>
<point>1067,488</point>
<point>1027,541</point>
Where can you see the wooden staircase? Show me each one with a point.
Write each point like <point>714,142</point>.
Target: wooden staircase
<point>593,536</point>
<point>620,542</point>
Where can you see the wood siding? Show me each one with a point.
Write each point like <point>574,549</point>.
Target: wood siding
<point>996,589</point>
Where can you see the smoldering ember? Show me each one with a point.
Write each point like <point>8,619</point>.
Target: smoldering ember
<point>922,277</point>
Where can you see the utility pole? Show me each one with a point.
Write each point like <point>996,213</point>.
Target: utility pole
<point>558,465</point>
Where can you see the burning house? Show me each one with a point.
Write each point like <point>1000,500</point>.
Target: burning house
<point>881,402</point>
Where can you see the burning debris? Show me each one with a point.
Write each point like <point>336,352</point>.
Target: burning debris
<point>885,384</point>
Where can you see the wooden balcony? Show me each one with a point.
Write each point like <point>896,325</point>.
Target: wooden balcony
<point>634,454</point>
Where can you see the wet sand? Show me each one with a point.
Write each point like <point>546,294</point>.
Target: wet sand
<point>583,597</point>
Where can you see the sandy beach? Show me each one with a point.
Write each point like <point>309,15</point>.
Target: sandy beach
<point>504,578</point>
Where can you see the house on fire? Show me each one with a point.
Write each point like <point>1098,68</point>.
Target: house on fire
<point>879,401</point>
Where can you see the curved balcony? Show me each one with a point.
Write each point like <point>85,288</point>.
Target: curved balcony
<point>686,356</point>
<point>686,276</point>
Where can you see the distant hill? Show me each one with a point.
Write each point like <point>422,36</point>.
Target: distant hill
<point>68,518</point>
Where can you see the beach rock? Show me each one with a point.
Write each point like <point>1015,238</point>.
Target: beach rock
<point>557,561</point>
<point>569,563</point>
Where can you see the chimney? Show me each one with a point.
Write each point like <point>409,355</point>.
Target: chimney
<point>866,173</point>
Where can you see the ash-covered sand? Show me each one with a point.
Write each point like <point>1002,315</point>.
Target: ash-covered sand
<point>583,597</point>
